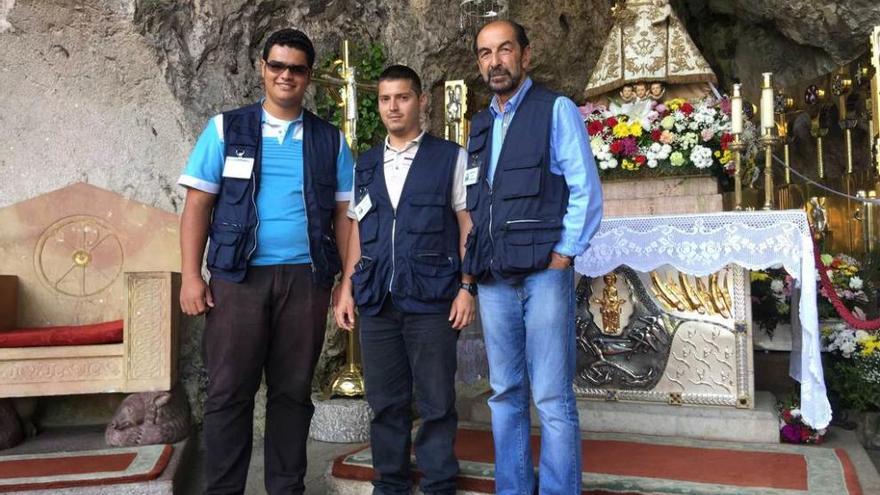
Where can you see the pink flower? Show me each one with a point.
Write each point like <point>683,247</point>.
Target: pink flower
<point>707,134</point>
<point>667,137</point>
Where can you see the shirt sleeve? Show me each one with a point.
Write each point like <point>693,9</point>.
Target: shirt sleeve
<point>204,170</point>
<point>344,171</point>
<point>571,157</point>
<point>351,204</point>
<point>459,190</point>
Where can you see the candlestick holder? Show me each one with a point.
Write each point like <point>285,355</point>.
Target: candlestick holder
<point>768,139</point>
<point>737,146</point>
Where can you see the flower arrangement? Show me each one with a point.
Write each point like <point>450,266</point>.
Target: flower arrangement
<point>674,137</point>
<point>771,298</point>
<point>853,368</point>
<point>844,273</point>
<point>771,292</point>
<point>792,428</point>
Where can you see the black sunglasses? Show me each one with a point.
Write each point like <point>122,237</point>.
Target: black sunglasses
<point>295,69</point>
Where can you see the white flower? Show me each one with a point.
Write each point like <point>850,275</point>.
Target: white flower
<point>855,283</point>
<point>701,156</point>
<point>862,335</point>
<point>777,285</point>
<point>795,413</point>
<point>652,163</point>
<point>847,348</point>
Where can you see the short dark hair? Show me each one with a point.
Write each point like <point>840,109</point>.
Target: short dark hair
<point>397,72</point>
<point>293,38</point>
<point>518,30</point>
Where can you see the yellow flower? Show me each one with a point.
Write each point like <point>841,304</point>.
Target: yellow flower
<point>870,346</point>
<point>760,277</point>
<point>635,129</point>
<point>628,164</point>
<point>725,157</point>
<point>621,130</point>
<point>675,103</point>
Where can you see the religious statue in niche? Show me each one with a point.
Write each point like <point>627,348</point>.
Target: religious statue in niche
<point>455,109</point>
<point>610,305</point>
<point>635,356</point>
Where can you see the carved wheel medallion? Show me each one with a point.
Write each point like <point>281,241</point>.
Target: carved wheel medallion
<point>79,256</point>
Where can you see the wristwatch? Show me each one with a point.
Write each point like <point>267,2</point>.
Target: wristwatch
<point>471,288</point>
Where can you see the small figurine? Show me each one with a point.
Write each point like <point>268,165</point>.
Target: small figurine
<point>641,89</point>
<point>658,90</point>
<point>626,93</point>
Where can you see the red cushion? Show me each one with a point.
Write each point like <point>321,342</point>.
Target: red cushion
<point>98,333</point>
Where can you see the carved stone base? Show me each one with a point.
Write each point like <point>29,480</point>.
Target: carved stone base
<point>340,420</point>
<point>11,432</point>
<point>149,418</point>
<point>760,424</point>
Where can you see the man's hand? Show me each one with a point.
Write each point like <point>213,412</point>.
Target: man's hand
<point>195,296</point>
<point>463,310</point>
<point>559,261</point>
<point>343,311</point>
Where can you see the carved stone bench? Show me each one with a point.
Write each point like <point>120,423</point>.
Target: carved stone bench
<point>81,256</point>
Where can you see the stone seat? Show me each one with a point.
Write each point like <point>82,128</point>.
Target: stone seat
<point>78,258</point>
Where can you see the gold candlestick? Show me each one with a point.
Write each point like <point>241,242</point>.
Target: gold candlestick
<point>768,140</point>
<point>737,145</point>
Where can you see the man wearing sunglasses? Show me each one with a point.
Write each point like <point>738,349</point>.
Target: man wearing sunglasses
<point>267,188</point>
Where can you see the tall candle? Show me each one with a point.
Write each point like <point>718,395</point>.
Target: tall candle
<point>767,103</point>
<point>736,110</point>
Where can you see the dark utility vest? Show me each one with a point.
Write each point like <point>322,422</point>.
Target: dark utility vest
<point>411,253</point>
<point>235,220</point>
<point>517,221</point>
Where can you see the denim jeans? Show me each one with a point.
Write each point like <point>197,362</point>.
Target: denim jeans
<point>402,351</point>
<point>530,343</point>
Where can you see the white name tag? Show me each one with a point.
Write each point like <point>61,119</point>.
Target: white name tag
<point>238,167</point>
<point>363,207</point>
<point>471,176</point>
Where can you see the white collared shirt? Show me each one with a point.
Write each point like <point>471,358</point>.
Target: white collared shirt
<point>397,163</point>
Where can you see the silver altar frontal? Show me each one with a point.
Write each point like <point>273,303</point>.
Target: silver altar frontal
<point>665,336</point>
<point>664,313</point>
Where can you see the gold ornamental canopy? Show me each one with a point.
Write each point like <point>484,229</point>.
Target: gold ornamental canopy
<point>647,43</point>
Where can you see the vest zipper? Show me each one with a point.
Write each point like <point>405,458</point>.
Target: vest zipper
<point>308,236</point>
<point>256,214</point>
<point>393,229</point>
<point>491,237</point>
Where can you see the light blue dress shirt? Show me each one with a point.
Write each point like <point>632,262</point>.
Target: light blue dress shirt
<point>571,157</point>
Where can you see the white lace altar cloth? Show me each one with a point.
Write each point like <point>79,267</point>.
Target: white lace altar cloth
<point>703,244</point>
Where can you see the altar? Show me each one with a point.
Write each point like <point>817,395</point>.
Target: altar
<point>685,338</point>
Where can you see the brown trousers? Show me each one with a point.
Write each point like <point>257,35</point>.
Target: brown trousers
<point>274,321</point>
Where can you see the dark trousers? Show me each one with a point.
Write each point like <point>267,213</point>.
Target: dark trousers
<point>399,351</point>
<point>274,321</point>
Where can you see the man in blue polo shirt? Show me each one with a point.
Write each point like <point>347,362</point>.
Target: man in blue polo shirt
<point>268,187</point>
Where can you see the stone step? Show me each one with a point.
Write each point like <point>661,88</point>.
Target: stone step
<point>663,205</point>
<point>660,186</point>
<point>760,424</point>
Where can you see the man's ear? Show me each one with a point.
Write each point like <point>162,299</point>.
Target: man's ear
<point>527,57</point>
<point>423,101</point>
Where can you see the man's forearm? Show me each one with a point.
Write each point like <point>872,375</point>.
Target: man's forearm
<point>194,223</point>
<point>342,230</point>
<point>353,253</point>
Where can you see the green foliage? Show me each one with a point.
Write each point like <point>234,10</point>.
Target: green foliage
<point>855,381</point>
<point>369,61</point>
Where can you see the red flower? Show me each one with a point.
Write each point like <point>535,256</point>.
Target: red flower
<point>640,159</point>
<point>726,139</point>
<point>616,147</point>
<point>655,135</point>
<point>595,127</point>
<point>687,108</point>
<point>610,122</point>
<point>836,263</point>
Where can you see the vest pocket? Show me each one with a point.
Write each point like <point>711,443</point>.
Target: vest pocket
<point>527,244</point>
<point>368,227</point>
<point>225,249</point>
<point>427,213</point>
<point>435,276</point>
<point>522,177</point>
<point>362,281</point>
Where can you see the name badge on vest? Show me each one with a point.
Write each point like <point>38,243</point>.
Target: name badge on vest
<point>363,207</point>
<point>238,167</point>
<point>471,176</point>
